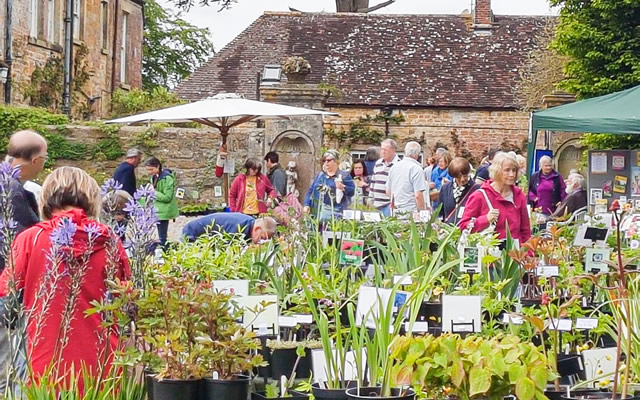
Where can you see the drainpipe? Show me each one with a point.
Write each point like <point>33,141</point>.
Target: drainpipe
<point>116,11</point>
<point>68,57</point>
<point>8,59</point>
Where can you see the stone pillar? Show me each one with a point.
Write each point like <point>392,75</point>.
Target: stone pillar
<point>298,139</point>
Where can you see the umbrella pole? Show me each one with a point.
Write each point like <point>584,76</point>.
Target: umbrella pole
<point>225,176</point>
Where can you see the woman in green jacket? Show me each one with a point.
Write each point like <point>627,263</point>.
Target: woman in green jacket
<point>166,204</point>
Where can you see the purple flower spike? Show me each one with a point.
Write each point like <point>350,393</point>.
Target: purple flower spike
<point>93,231</point>
<point>110,185</point>
<point>7,171</point>
<point>63,234</point>
<point>145,191</point>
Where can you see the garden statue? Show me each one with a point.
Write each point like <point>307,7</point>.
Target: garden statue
<point>292,178</point>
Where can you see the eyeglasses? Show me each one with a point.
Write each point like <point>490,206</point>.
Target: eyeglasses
<point>328,160</point>
<point>45,157</point>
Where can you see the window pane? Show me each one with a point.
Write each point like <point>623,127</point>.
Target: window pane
<point>33,23</point>
<point>123,49</point>
<point>105,24</point>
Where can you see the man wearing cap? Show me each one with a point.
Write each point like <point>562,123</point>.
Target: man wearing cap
<point>126,172</point>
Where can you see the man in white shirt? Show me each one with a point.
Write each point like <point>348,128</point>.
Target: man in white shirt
<point>406,182</point>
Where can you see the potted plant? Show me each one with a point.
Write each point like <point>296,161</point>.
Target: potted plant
<point>169,328</point>
<point>470,368</point>
<point>283,357</point>
<point>228,347</point>
<point>296,69</point>
<point>282,388</point>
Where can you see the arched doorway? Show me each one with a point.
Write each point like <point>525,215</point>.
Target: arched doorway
<point>297,146</point>
<point>569,156</point>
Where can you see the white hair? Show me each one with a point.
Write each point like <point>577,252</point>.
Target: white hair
<point>544,160</point>
<point>269,225</point>
<point>412,149</point>
<point>391,143</point>
<point>577,179</point>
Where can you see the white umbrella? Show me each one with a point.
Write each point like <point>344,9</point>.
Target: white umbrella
<point>223,111</point>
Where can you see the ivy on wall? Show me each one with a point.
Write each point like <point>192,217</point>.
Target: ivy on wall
<point>60,147</point>
<point>46,86</point>
<point>362,132</point>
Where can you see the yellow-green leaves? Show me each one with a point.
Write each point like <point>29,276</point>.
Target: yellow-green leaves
<point>479,380</point>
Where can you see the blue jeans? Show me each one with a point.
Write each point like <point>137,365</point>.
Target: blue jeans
<point>386,210</point>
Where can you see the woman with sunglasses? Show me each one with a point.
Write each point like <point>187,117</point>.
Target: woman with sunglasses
<point>324,194</point>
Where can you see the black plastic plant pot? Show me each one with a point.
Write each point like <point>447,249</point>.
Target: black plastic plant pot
<point>320,393</point>
<point>571,364</point>
<point>553,394</point>
<point>294,396</point>
<point>283,360</point>
<point>172,389</point>
<point>596,396</point>
<point>366,393</point>
<point>148,381</point>
<point>233,389</point>
<point>431,312</point>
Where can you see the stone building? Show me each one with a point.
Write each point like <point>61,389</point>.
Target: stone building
<point>450,77</point>
<point>107,52</point>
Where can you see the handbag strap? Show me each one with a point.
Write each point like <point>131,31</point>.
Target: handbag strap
<point>460,202</point>
<point>491,208</point>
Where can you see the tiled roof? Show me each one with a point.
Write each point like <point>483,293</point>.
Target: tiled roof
<point>404,60</point>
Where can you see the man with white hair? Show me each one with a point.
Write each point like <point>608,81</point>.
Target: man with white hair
<point>576,196</point>
<point>380,176</point>
<point>406,182</point>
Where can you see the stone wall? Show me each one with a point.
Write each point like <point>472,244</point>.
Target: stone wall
<point>31,52</point>
<point>190,153</point>
<point>479,130</point>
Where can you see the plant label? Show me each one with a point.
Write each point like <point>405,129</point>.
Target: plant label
<point>180,193</point>
<point>351,252</point>
<point>512,319</point>
<point>548,271</point>
<point>459,310</point>
<point>403,280</point>
<point>595,260</point>
<point>471,260</point>
<point>371,216</point>
<point>586,323</point>
<point>563,324</point>
<point>287,322</point>
<point>418,327</point>
<point>217,191</point>
<point>303,319</point>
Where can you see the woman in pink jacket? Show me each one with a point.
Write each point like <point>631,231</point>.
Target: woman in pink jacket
<point>249,192</point>
<point>500,202</point>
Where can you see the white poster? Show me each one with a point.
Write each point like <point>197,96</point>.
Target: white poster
<point>598,163</point>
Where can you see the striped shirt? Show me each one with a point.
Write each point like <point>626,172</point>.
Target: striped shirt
<point>378,185</point>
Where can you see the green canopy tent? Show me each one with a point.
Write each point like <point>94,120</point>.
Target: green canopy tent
<point>617,113</point>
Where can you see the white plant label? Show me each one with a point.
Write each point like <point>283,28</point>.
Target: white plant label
<point>287,322</point>
<point>586,323</point>
<point>403,280</point>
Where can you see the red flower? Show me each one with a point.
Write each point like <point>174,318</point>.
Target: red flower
<point>615,205</point>
<point>545,299</point>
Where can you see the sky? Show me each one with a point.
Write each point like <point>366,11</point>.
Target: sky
<point>227,24</point>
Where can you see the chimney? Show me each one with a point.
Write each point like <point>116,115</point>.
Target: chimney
<point>482,16</point>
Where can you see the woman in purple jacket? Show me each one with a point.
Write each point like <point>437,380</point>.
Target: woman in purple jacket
<point>546,188</point>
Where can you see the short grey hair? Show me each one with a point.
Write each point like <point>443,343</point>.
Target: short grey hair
<point>577,179</point>
<point>412,149</point>
<point>543,160</point>
<point>391,143</point>
<point>270,225</point>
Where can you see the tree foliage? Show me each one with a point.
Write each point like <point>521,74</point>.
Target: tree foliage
<point>172,49</point>
<point>542,71</point>
<point>602,39</point>
<point>134,101</point>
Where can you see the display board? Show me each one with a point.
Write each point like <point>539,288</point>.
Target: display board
<point>613,174</point>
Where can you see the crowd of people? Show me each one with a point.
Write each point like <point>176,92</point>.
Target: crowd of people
<point>487,198</point>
